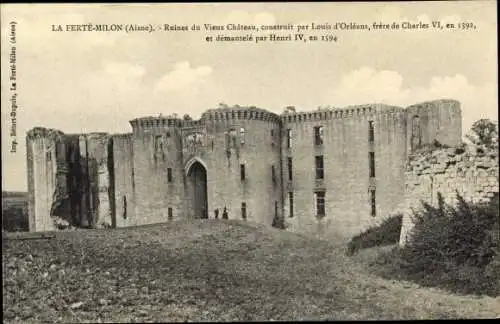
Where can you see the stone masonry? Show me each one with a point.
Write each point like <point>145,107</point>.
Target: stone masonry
<point>472,173</point>
<point>331,172</point>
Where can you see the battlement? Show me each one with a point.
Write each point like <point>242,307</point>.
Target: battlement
<point>155,122</point>
<point>253,113</point>
<point>327,113</point>
<point>193,123</point>
<point>145,176</point>
<point>240,113</point>
<point>42,132</point>
<point>95,135</point>
<point>122,136</point>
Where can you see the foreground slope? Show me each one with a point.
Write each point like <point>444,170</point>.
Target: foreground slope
<point>206,271</point>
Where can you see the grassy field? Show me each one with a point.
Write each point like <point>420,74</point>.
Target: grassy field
<point>207,271</point>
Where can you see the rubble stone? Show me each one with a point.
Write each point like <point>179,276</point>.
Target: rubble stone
<point>474,176</point>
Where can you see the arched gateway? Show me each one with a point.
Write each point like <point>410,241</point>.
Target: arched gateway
<point>196,173</point>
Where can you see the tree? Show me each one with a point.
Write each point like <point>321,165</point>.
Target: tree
<point>187,117</point>
<point>484,132</point>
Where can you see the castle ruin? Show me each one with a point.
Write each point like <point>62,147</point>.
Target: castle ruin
<point>328,172</point>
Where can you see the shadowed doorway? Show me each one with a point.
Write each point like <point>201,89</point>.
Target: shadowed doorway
<point>197,190</point>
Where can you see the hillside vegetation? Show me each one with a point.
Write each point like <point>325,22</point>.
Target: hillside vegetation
<point>207,271</point>
<point>453,247</point>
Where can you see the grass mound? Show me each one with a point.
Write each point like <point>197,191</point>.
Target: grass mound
<point>204,270</point>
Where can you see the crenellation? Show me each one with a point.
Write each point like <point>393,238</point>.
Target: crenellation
<point>225,158</point>
<point>239,113</point>
<point>154,123</point>
<point>341,113</point>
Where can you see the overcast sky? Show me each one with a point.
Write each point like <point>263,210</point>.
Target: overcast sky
<point>83,82</point>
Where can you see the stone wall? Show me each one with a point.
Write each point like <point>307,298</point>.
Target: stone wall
<point>123,180</point>
<point>471,173</point>
<point>43,176</point>
<point>222,140</point>
<point>123,186</point>
<point>439,120</point>
<point>257,148</point>
<point>156,147</point>
<point>68,179</point>
<point>347,181</point>
<point>99,179</point>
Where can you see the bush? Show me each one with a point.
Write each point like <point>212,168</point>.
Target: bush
<point>492,274</point>
<point>484,132</point>
<point>453,247</point>
<point>386,233</point>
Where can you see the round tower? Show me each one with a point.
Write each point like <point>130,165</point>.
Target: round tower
<point>243,162</point>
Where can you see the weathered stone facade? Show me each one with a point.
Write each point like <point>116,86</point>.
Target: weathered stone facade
<point>357,197</point>
<point>471,173</point>
<point>330,172</point>
<point>68,179</point>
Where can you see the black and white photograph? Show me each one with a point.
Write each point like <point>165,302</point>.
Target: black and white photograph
<point>249,161</point>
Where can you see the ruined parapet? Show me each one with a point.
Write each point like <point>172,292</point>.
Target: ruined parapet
<point>471,173</point>
<point>48,196</point>
<point>438,120</point>
<point>155,124</point>
<point>239,113</point>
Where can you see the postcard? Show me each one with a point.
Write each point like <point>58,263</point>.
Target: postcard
<point>249,161</point>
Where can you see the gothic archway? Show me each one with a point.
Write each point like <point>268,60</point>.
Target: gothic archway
<point>197,189</point>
